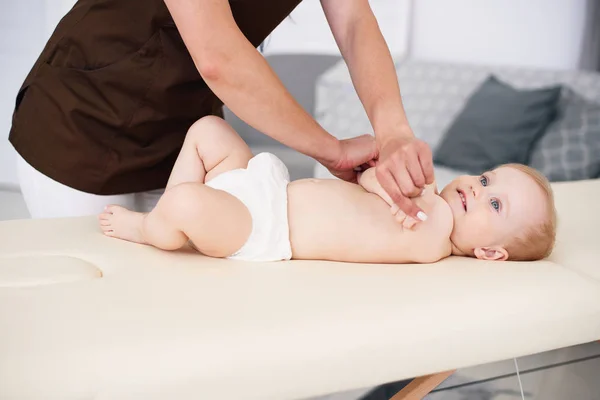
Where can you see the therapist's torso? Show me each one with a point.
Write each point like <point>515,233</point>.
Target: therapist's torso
<point>107,105</point>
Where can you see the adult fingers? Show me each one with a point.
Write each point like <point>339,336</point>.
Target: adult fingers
<point>426,162</point>
<point>405,181</point>
<point>414,168</point>
<point>348,175</point>
<point>409,207</point>
<point>368,147</point>
<point>388,183</point>
<point>406,205</point>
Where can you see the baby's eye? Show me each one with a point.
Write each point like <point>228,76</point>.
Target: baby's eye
<point>483,180</point>
<point>495,203</point>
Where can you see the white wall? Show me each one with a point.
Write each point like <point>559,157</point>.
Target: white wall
<point>24,28</point>
<point>536,33</point>
<point>21,39</point>
<point>54,11</point>
<point>530,33</point>
<point>307,30</point>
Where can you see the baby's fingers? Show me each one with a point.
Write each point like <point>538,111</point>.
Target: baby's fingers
<point>400,217</point>
<point>397,212</point>
<point>409,222</point>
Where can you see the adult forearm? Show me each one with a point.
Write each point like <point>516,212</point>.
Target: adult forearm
<point>245,82</point>
<point>242,79</point>
<point>374,77</point>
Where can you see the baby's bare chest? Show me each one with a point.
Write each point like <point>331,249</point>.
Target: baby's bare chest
<point>337,203</point>
<point>344,222</point>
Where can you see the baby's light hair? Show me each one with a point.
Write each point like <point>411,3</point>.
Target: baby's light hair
<point>536,242</point>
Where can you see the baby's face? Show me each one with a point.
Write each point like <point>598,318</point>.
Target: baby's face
<point>492,208</point>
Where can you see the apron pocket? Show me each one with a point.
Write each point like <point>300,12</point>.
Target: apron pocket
<point>107,95</point>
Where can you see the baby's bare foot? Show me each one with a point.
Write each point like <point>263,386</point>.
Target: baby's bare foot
<point>121,223</point>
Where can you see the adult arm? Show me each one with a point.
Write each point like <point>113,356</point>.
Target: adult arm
<point>405,162</point>
<point>237,73</point>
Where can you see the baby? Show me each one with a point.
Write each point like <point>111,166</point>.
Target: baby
<point>226,203</point>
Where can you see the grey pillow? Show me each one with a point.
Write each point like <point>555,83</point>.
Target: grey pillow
<point>498,125</point>
<point>570,148</point>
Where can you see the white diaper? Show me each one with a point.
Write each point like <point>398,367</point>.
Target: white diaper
<point>262,187</point>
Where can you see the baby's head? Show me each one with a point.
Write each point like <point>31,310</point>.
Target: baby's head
<point>504,214</point>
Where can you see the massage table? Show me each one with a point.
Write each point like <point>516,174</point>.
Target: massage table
<point>83,316</point>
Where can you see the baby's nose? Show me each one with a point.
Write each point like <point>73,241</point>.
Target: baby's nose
<point>475,192</point>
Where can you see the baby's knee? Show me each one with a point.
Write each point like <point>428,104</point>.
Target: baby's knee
<point>209,120</point>
<point>181,201</point>
<point>209,127</point>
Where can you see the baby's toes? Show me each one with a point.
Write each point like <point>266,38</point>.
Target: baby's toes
<point>109,233</point>
<point>105,222</point>
<point>104,218</point>
<point>113,209</point>
<point>106,228</point>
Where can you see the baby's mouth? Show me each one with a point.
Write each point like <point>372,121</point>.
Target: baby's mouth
<point>461,194</point>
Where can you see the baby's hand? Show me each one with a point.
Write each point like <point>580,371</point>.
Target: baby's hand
<point>401,217</point>
<point>368,181</point>
<point>406,221</point>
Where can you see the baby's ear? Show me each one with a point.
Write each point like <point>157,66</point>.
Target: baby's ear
<point>493,253</point>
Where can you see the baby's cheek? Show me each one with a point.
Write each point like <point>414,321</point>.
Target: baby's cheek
<point>462,228</point>
<point>472,230</point>
<point>483,232</point>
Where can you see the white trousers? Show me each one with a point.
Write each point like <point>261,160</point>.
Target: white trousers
<point>46,198</point>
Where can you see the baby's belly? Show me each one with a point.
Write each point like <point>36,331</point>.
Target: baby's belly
<point>337,220</point>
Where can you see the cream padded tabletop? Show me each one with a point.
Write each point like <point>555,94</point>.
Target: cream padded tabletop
<point>87,317</point>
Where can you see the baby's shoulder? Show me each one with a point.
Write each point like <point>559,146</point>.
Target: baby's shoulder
<point>437,210</point>
<point>434,234</point>
<point>442,212</point>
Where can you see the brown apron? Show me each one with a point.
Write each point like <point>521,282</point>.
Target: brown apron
<point>106,107</point>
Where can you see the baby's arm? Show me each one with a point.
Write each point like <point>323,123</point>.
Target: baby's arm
<point>368,180</point>
<point>370,183</point>
<point>429,241</point>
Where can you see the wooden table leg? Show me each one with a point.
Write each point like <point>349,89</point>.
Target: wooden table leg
<point>421,386</point>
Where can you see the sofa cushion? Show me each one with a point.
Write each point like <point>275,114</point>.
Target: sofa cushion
<point>498,124</point>
<point>570,148</point>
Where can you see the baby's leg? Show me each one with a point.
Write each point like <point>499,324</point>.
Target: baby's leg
<point>217,223</point>
<point>211,147</point>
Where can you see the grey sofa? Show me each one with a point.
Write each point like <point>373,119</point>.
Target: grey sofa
<point>433,95</point>
<point>299,74</point>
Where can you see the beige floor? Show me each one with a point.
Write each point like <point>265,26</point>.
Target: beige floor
<point>565,374</point>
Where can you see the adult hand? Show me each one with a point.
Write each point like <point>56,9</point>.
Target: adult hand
<point>353,153</point>
<point>405,166</point>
